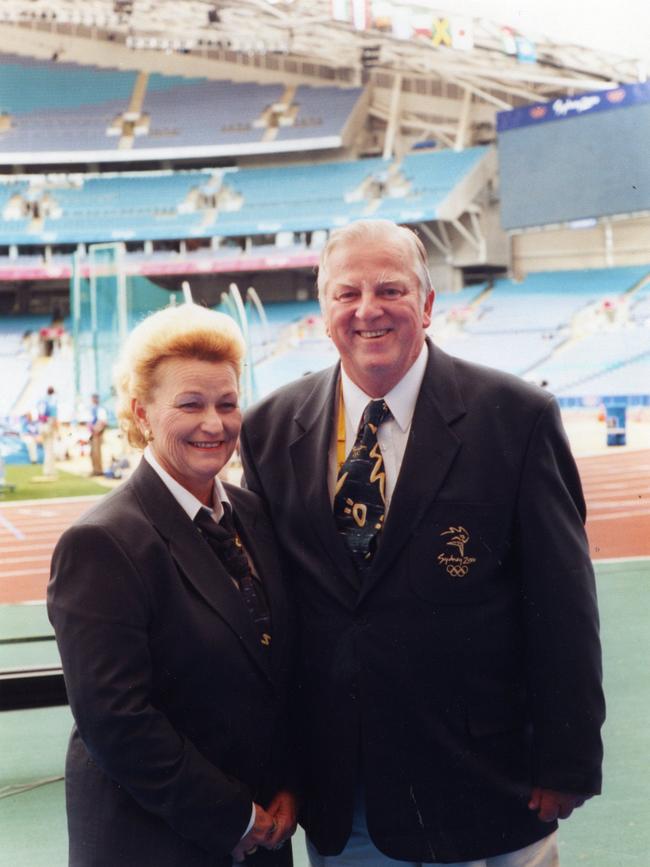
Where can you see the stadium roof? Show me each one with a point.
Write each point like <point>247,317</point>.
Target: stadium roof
<point>307,29</point>
<point>431,72</point>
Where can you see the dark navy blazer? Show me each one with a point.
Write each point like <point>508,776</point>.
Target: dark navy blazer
<point>179,711</point>
<point>466,669</point>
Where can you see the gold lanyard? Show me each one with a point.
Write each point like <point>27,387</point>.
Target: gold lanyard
<point>340,432</point>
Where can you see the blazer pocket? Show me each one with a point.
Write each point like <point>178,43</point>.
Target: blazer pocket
<point>459,553</point>
<point>495,717</point>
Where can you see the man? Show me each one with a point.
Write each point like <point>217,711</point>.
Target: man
<point>97,424</point>
<point>450,662</point>
<point>48,425</point>
<point>29,436</point>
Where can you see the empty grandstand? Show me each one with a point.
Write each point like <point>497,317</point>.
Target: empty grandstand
<point>53,111</point>
<point>568,330</point>
<point>214,160</point>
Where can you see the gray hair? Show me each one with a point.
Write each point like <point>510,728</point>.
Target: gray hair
<point>363,230</point>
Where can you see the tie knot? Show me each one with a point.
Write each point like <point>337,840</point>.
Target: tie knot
<point>375,413</point>
<point>223,529</point>
<point>227,520</point>
<point>203,519</point>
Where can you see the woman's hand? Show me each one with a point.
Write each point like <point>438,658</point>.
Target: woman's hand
<point>283,808</point>
<point>260,834</point>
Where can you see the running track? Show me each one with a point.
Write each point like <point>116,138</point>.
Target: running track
<point>616,485</point>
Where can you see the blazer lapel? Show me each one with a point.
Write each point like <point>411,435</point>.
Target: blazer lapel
<point>430,452</point>
<point>196,560</point>
<point>309,452</point>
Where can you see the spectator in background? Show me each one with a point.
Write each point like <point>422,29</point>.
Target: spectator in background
<point>47,428</point>
<point>50,335</point>
<point>97,424</point>
<point>29,436</point>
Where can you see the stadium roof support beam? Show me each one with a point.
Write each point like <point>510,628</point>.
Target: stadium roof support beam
<point>443,132</point>
<point>476,240</point>
<point>414,122</point>
<point>444,234</point>
<point>493,99</point>
<point>476,226</point>
<point>393,118</point>
<point>414,99</point>
<point>501,72</point>
<point>445,136</point>
<point>441,244</point>
<point>502,76</point>
<point>463,121</point>
<point>479,90</point>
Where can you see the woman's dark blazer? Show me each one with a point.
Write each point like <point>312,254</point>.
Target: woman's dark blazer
<point>179,711</point>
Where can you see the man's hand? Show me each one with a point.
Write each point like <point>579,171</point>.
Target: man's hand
<point>283,809</point>
<point>551,805</point>
<point>260,834</point>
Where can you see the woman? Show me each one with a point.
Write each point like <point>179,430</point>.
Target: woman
<point>176,679</point>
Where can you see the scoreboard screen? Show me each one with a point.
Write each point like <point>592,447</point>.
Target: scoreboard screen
<point>575,159</point>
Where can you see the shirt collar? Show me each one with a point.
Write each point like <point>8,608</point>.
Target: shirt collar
<point>187,501</point>
<point>400,399</point>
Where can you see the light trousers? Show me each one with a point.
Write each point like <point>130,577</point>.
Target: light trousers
<point>361,852</point>
<point>47,435</point>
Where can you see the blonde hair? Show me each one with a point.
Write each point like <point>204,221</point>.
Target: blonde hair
<point>384,230</point>
<point>186,331</point>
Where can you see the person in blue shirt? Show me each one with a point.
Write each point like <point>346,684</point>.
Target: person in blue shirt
<point>48,425</point>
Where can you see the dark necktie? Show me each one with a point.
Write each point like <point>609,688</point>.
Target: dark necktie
<point>359,499</point>
<point>224,540</point>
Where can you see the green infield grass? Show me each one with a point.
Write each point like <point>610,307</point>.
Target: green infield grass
<point>30,484</point>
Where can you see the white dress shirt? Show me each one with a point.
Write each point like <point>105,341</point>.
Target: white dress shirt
<point>187,501</point>
<point>393,433</point>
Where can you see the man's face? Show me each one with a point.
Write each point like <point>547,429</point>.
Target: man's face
<point>373,311</point>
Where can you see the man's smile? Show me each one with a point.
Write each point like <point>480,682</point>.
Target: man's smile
<point>370,335</point>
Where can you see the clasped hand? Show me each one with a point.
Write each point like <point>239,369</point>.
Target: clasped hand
<point>272,827</point>
<point>551,805</point>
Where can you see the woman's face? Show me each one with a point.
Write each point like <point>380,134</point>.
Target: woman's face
<point>194,419</point>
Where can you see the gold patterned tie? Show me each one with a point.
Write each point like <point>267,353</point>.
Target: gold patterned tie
<point>360,496</point>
